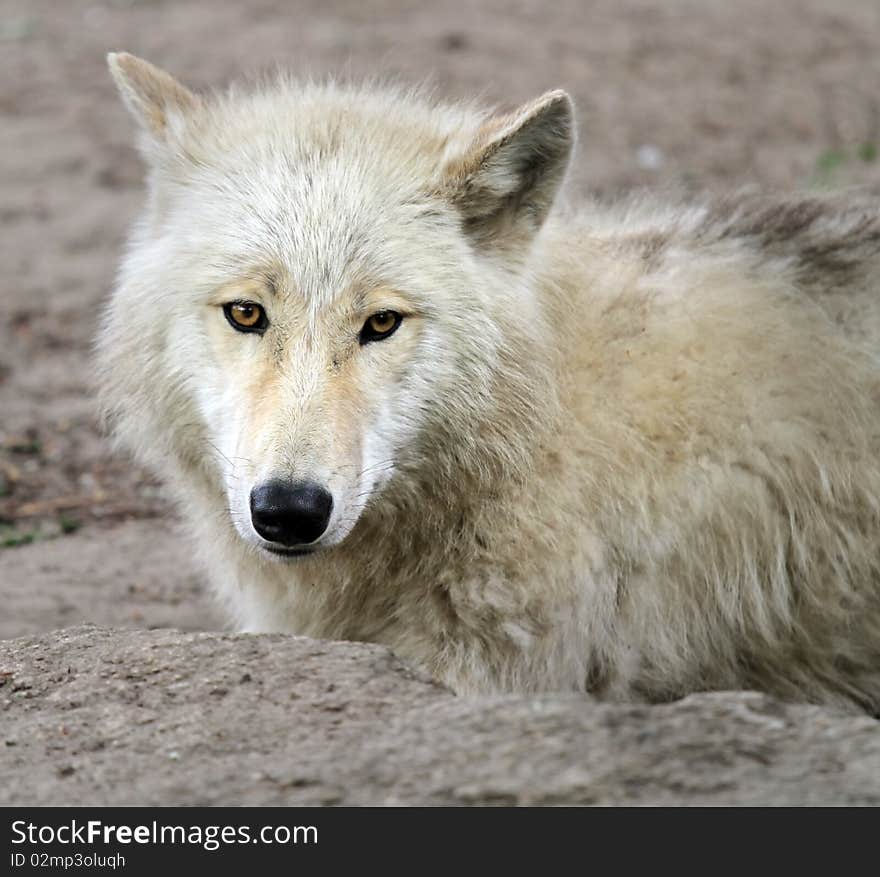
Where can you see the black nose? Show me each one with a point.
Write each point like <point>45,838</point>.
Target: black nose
<point>290,513</point>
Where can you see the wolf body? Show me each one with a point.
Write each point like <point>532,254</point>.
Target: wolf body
<point>629,450</point>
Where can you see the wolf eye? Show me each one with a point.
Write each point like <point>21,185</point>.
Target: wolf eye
<point>246,316</point>
<point>380,326</point>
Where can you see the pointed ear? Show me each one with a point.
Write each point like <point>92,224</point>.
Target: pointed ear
<point>155,98</point>
<point>509,177</point>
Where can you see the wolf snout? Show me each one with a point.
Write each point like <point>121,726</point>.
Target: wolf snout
<point>290,513</point>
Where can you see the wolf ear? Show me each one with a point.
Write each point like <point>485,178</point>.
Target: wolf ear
<point>509,177</point>
<point>155,98</point>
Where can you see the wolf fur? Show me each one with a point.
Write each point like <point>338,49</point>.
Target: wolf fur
<point>629,450</point>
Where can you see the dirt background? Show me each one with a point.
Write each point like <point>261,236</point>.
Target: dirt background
<point>695,93</point>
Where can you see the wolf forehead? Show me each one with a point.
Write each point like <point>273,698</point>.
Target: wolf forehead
<point>340,173</point>
<point>335,175</point>
<point>324,146</point>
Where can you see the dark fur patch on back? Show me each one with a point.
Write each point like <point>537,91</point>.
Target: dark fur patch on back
<point>829,240</point>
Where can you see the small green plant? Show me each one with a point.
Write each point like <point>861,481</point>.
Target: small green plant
<point>830,160</point>
<point>69,524</point>
<point>832,164</point>
<point>25,445</point>
<point>11,537</point>
<point>868,152</point>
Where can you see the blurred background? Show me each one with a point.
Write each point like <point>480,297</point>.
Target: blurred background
<point>700,94</point>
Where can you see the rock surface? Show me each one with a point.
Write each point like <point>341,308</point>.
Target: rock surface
<point>104,716</point>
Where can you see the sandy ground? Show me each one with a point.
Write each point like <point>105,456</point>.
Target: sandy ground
<point>694,93</point>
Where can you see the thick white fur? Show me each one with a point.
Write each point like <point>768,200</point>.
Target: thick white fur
<point>630,450</point>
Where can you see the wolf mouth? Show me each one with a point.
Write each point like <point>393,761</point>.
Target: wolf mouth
<point>289,552</point>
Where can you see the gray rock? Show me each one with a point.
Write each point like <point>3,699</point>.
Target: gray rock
<point>101,716</point>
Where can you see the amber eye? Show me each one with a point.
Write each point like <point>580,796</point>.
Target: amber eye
<point>380,326</point>
<point>246,316</point>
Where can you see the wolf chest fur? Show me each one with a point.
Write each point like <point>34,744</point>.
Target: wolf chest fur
<point>401,395</point>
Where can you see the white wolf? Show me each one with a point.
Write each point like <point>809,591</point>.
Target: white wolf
<point>633,451</point>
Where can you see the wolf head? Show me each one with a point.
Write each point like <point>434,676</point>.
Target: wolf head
<point>328,293</point>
